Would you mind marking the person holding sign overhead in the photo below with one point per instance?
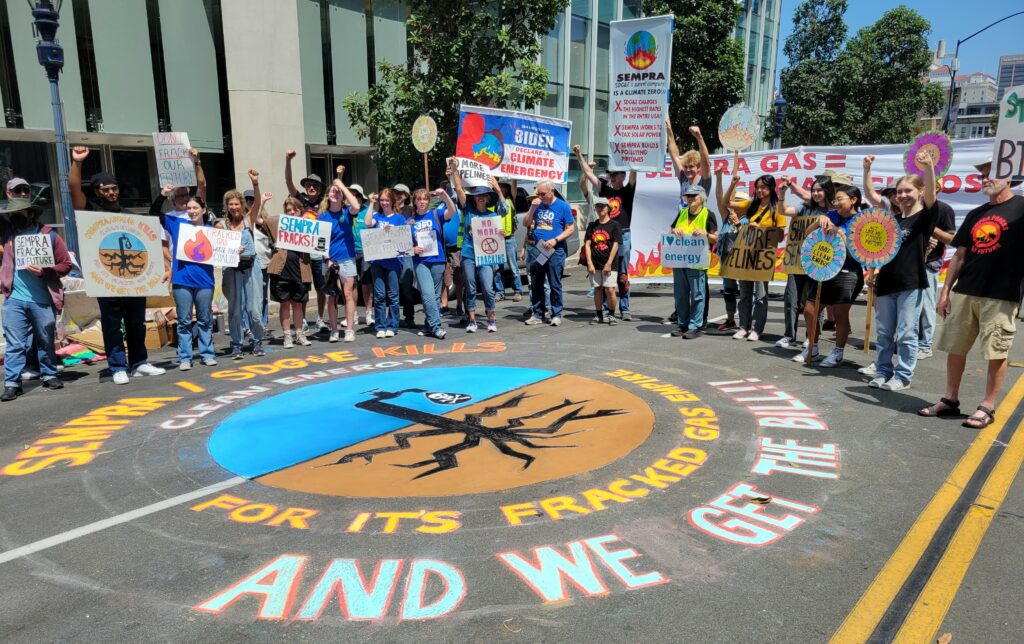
(900, 285)
(840, 291)
(386, 309)
(484, 203)
(601, 242)
(243, 284)
(688, 284)
(553, 224)
(192, 287)
(429, 258)
(34, 294)
(338, 213)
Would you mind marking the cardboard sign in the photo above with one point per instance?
(794, 242)
(472, 172)
(121, 255)
(208, 245)
(303, 235)
(174, 164)
(488, 241)
(32, 250)
(738, 128)
(823, 254)
(685, 251)
(937, 145)
(424, 134)
(640, 62)
(1008, 148)
(516, 145)
(874, 238)
(752, 258)
(386, 243)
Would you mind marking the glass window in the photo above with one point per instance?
(124, 66)
(581, 8)
(350, 69)
(631, 9)
(752, 45)
(219, 169)
(606, 10)
(31, 162)
(132, 168)
(603, 45)
(552, 105)
(579, 114)
(311, 70)
(388, 32)
(554, 57)
(579, 52)
(600, 124)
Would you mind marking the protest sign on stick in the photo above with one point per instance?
(488, 241)
(874, 240)
(738, 128)
(822, 256)
(32, 250)
(424, 136)
(937, 145)
(174, 165)
(121, 255)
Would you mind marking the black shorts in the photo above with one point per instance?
(282, 291)
(363, 273)
(319, 268)
(841, 289)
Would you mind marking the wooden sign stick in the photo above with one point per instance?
(867, 324)
(426, 173)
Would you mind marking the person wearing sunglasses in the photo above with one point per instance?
(18, 188)
(553, 223)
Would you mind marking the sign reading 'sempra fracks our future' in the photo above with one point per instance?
(641, 62)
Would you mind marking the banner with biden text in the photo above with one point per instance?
(515, 145)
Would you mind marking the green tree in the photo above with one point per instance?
(814, 110)
(707, 62)
(478, 52)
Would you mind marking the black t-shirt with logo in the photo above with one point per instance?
(994, 238)
(601, 238)
(945, 220)
(906, 271)
(620, 203)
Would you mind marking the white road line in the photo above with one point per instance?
(109, 522)
(720, 318)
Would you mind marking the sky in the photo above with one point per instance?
(951, 20)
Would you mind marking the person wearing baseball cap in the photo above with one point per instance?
(18, 188)
(601, 243)
(689, 285)
(33, 296)
(981, 295)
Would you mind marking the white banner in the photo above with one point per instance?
(121, 254)
(303, 235)
(488, 241)
(32, 250)
(174, 165)
(685, 251)
(208, 245)
(657, 194)
(386, 243)
(1008, 148)
(640, 62)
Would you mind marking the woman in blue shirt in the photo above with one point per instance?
(385, 272)
(427, 236)
(342, 253)
(484, 203)
(192, 286)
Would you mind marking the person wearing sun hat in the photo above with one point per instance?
(33, 296)
(981, 295)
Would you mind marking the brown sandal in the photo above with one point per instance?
(952, 408)
(975, 422)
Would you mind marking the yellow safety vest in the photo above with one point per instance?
(683, 221)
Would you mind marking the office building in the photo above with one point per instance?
(1011, 73)
(758, 29)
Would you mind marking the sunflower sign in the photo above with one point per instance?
(937, 145)
(514, 144)
(874, 238)
(823, 254)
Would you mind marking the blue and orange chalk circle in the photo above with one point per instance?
(432, 432)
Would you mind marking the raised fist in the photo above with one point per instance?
(289, 155)
(695, 131)
(254, 176)
(79, 153)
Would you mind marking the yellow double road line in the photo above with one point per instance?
(919, 621)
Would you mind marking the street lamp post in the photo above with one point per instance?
(780, 120)
(954, 65)
(51, 57)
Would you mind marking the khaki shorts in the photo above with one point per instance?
(971, 316)
(600, 279)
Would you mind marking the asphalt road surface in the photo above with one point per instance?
(574, 484)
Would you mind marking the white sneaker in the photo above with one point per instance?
(321, 325)
(877, 382)
(209, 362)
(300, 338)
(556, 321)
(381, 335)
(492, 326)
(869, 370)
(753, 336)
(288, 342)
(471, 327)
(369, 318)
(120, 377)
(785, 343)
(334, 337)
(389, 334)
(344, 322)
(185, 366)
(834, 359)
(802, 356)
(350, 336)
(533, 321)
(924, 354)
(146, 369)
(28, 374)
(895, 384)
(806, 342)
(739, 335)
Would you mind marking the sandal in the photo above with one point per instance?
(974, 422)
(951, 408)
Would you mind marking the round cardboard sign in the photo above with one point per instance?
(738, 128)
(937, 145)
(823, 254)
(874, 238)
(424, 134)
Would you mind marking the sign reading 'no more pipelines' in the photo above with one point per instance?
(640, 61)
(752, 257)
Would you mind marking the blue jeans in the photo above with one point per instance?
(688, 289)
(185, 298)
(132, 310)
(430, 278)
(796, 286)
(482, 276)
(625, 250)
(512, 256)
(385, 297)
(531, 255)
(242, 290)
(27, 324)
(896, 318)
(753, 306)
(926, 330)
(552, 272)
